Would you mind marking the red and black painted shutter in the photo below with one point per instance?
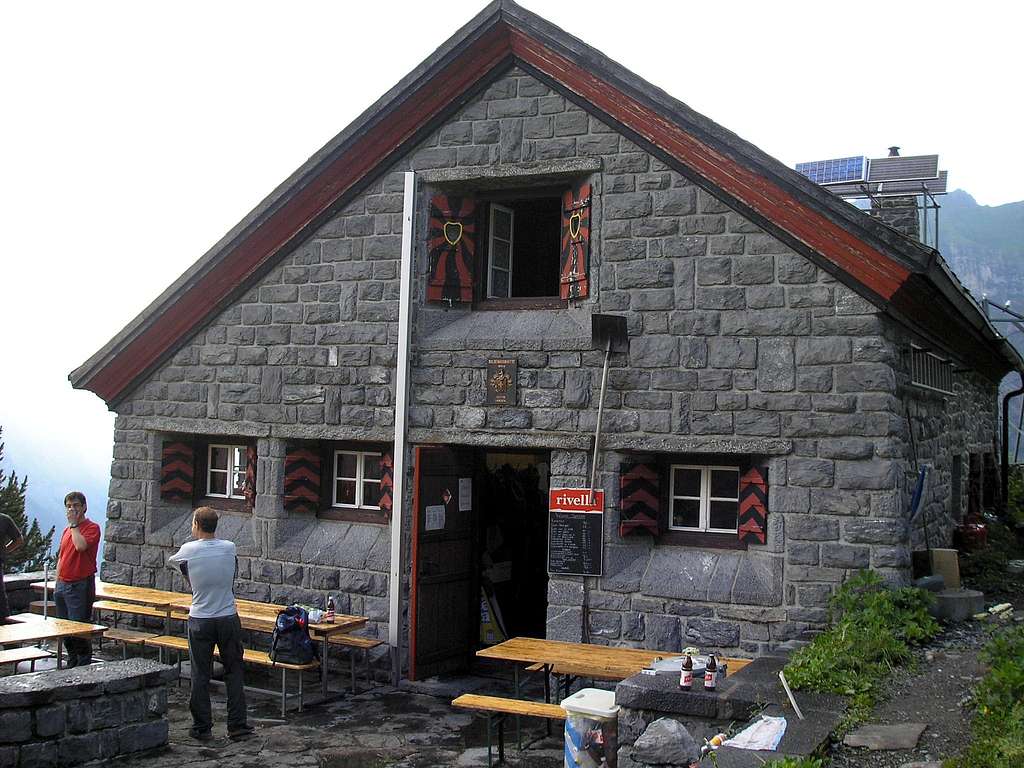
(573, 282)
(753, 514)
(250, 477)
(640, 486)
(387, 482)
(301, 480)
(451, 248)
(177, 471)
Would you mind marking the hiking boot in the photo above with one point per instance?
(244, 731)
(201, 735)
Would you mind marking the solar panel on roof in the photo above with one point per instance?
(840, 170)
(910, 168)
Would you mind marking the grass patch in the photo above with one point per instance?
(873, 629)
(997, 729)
(795, 762)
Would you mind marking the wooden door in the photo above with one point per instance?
(445, 604)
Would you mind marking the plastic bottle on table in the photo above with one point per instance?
(329, 616)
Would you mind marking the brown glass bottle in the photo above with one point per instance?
(686, 674)
(711, 673)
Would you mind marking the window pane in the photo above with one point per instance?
(371, 466)
(239, 489)
(502, 224)
(371, 494)
(347, 465)
(685, 513)
(687, 482)
(500, 255)
(218, 483)
(218, 457)
(499, 283)
(239, 457)
(725, 483)
(723, 514)
(345, 492)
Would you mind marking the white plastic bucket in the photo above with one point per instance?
(591, 729)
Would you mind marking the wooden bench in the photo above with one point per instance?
(497, 709)
(128, 637)
(20, 618)
(355, 643)
(249, 656)
(17, 655)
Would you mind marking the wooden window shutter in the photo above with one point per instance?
(451, 249)
(301, 480)
(753, 513)
(250, 477)
(387, 482)
(573, 282)
(177, 471)
(640, 506)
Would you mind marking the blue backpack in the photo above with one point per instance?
(291, 643)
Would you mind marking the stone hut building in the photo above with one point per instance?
(321, 374)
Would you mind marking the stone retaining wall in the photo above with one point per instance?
(66, 717)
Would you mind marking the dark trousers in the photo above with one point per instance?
(5, 609)
(74, 601)
(203, 634)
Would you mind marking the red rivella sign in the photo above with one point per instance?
(575, 500)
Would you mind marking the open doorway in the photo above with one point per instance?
(512, 546)
(479, 553)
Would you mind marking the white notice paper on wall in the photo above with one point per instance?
(435, 517)
(465, 494)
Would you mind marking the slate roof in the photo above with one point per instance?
(909, 281)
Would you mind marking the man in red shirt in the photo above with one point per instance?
(76, 574)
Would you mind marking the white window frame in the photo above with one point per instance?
(705, 498)
(360, 479)
(231, 470)
(491, 240)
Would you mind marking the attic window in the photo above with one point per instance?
(929, 371)
(522, 248)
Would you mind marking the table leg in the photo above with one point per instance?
(547, 695)
(323, 665)
(519, 719)
(60, 648)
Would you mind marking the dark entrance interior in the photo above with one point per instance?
(480, 561)
(512, 546)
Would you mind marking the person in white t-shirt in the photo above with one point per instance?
(209, 566)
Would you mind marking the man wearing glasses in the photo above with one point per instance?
(76, 574)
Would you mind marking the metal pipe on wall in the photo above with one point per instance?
(1005, 457)
(401, 408)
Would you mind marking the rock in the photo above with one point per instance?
(925, 764)
(877, 737)
(666, 741)
(957, 604)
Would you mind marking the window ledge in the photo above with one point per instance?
(702, 539)
(352, 515)
(222, 504)
(521, 303)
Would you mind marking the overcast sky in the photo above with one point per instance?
(135, 134)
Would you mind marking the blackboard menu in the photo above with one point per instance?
(575, 542)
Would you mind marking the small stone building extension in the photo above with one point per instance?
(758, 337)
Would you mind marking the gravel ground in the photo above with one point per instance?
(937, 692)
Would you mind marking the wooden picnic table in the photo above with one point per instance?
(258, 616)
(47, 629)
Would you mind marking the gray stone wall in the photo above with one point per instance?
(59, 717)
(737, 346)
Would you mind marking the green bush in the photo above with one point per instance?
(997, 729)
(986, 569)
(794, 762)
(872, 630)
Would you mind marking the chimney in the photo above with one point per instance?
(900, 213)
